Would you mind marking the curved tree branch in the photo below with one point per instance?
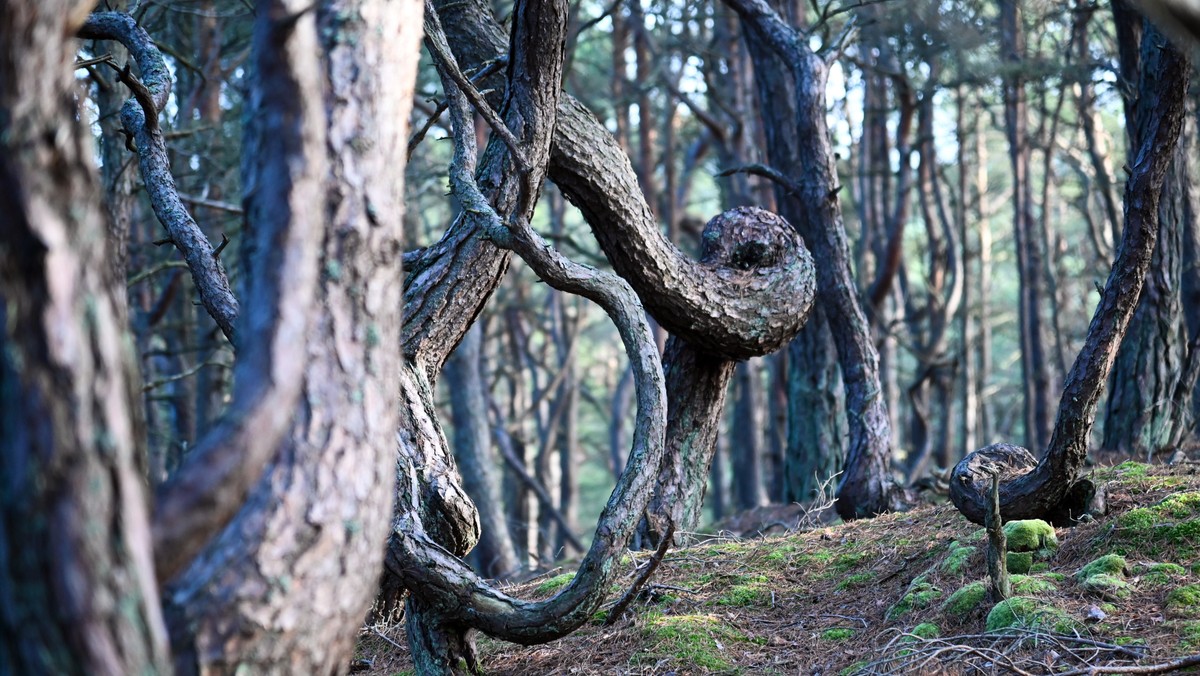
(733, 320)
(141, 122)
(441, 580)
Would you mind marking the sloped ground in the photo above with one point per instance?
(894, 595)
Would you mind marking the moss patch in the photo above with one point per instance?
(1171, 525)
(1019, 562)
(1163, 573)
(1023, 611)
(1108, 586)
(1189, 635)
(1184, 601)
(555, 583)
(966, 599)
(1109, 564)
(837, 634)
(857, 580)
(693, 640)
(926, 630)
(1028, 585)
(920, 594)
(957, 557)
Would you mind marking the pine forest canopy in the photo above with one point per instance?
(564, 234)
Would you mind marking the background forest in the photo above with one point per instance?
(977, 156)
(978, 281)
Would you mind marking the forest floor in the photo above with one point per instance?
(902, 593)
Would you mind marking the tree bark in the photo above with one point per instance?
(286, 584)
(1141, 417)
(77, 587)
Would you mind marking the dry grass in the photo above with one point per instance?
(831, 599)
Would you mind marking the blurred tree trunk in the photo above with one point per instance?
(77, 588)
(746, 437)
(302, 557)
(815, 443)
(1035, 366)
(465, 381)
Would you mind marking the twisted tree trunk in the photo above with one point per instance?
(1051, 488)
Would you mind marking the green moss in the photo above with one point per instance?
(1028, 585)
(1108, 586)
(1131, 470)
(1030, 535)
(837, 634)
(926, 630)
(920, 594)
(1109, 564)
(555, 583)
(780, 553)
(1171, 525)
(693, 640)
(1184, 601)
(1163, 573)
(1022, 611)
(957, 557)
(857, 580)
(966, 599)
(1129, 640)
(853, 668)
(1189, 635)
(742, 595)
(1019, 562)
(1039, 567)
(845, 562)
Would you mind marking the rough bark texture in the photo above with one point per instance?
(77, 590)
(285, 586)
(1049, 488)
(1142, 417)
(791, 83)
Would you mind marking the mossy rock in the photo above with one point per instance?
(1023, 611)
(1019, 562)
(555, 583)
(1108, 586)
(1109, 564)
(837, 634)
(692, 640)
(1030, 535)
(920, 594)
(1184, 601)
(1028, 585)
(957, 556)
(1163, 573)
(966, 599)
